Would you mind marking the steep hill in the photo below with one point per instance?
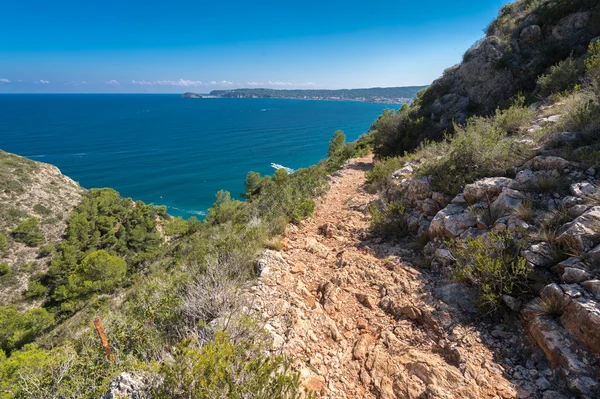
(37, 197)
(527, 39)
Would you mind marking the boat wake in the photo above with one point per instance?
(277, 166)
(188, 211)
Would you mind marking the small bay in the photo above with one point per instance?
(166, 150)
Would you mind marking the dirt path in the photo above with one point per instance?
(358, 326)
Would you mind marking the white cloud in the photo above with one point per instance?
(44, 81)
(76, 83)
(279, 83)
(255, 83)
(113, 82)
(4, 81)
(180, 82)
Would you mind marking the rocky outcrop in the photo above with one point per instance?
(31, 189)
(501, 65)
(128, 386)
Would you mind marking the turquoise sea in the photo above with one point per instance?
(166, 150)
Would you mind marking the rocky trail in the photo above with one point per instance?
(360, 321)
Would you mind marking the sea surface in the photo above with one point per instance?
(166, 150)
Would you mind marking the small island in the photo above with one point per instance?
(191, 95)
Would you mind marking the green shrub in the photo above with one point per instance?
(4, 269)
(105, 221)
(582, 114)
(176, 227)
(99, 272)
(222, 370)
(561, 77)
(18, 329)
(35, 289)
(378, 177)
(284, 195)
(41, 210)
(389, 219)
(395, 133)
(492, 264)
(46, 250)
(592, 64)
(478, 149)
(339, 151)
(28, 233)
(3, 244)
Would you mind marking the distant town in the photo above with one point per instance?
(389, 95)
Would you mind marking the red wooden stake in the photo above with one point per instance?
(103, 339)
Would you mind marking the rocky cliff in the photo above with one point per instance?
(526, 39)
(29, 191)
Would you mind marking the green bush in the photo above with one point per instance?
(35, 289)
(478, 149)
(288, 196)
(389, 219)
(99, 272)
(561, 77)
(18, 329)
(378, 177)
(222, 370)
(46, 250)
(104, 221)
(4, 269)
(3, 244)
(41, 210)
(394, 133)
(492, 264)
(592, 64)
(28, 233)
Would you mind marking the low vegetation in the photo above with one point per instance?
(493, 266)
(28, 233)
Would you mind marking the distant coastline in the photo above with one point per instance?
(388, 95)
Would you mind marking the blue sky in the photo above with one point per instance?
(180, 45)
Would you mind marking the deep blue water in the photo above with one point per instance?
(166, 150)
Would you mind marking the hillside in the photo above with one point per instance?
(38, 193)
(521, 45)
(396, 95)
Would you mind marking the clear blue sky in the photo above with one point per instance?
(180, 45)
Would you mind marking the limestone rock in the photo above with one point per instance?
(539, 254)
(508, 200)
(418, 189)
(485, 188)
(128, 386)
(531, 34)
(315, 247)
(573, 275)
(451, 221)
(582, 231)
(430, 207)
(593, 287)
(367, 301)
(583, 189)
(582, 319)
(512, 303)
(569, 25)
(405, 172)
(546, 163)
(327, 230)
